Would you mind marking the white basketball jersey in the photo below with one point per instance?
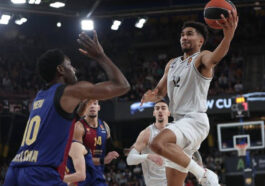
(187, 88)
(154, 175)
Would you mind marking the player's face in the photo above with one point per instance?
(190, 40)
(70, 77)
(92, 109)
(161, 112)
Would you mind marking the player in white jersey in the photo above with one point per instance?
(186, 80)
(152, 164)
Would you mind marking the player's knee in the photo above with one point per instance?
(156, 146)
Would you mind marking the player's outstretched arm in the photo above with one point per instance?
(77, 152)
(117, 84)
(161, 89)
(229, 25)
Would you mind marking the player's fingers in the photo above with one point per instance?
(86, 37)
(219, 23)
(83, 51)
(85, 40)
(95, 37)
(230, 18)
(142, 101)
(234, 15)
(82, 43)
(155, 91)
(224, 21)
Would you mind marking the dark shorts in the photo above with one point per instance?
(33, 176)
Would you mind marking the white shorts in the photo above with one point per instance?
(190, 130)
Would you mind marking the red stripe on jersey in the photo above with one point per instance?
(62, 166)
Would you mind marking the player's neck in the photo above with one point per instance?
(93, 122)
(160, 126)
(188, 54)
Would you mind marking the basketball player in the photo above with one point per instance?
(186, 80)
(152, 164)
(45, 146)
(95, 135)
(80, 167)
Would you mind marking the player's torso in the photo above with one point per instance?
(187, 88)
(153, 174)
(47, 135)
(95, 138)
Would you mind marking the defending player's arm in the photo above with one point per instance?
(109, 147)
(161, 89)
(116, 86)
(134, 156)
(77, 152)
(210, 59)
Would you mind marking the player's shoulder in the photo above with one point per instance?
(204, 52)
(169, 64)
(146, 133)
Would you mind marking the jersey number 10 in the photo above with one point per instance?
(33, 124)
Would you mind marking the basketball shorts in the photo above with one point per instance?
(190, 130)
(33, 176)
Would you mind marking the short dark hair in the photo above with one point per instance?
(161, 101)
(48, 62)
(199, 27)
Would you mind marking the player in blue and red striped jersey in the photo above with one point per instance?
(95, 135)
(41, 159)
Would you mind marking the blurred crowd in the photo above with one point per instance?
(142, 56)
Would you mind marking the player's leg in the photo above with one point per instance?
(165, 144)
(170, 143)
(175, 177)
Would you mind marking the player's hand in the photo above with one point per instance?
(110, 156)
(229, 24)
(156, 159)
(150, 95)
(91, 47)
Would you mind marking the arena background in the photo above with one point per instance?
(142, 54)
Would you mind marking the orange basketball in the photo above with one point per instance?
(214, 9)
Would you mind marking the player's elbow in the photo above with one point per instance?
(81, 176)
(129, 160)
(125, 87)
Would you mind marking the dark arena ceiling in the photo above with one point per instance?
(113, 8)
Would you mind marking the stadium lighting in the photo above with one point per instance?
(18, 1)
(21, 21)
(57, 4)
(5, 19)
(115, 25)
(87, 24)
(59, 24)
(140, 23)
(36, 2)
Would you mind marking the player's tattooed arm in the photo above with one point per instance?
(197, 157)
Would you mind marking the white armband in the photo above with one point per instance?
(134, 157)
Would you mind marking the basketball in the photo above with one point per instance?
(213, 11)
